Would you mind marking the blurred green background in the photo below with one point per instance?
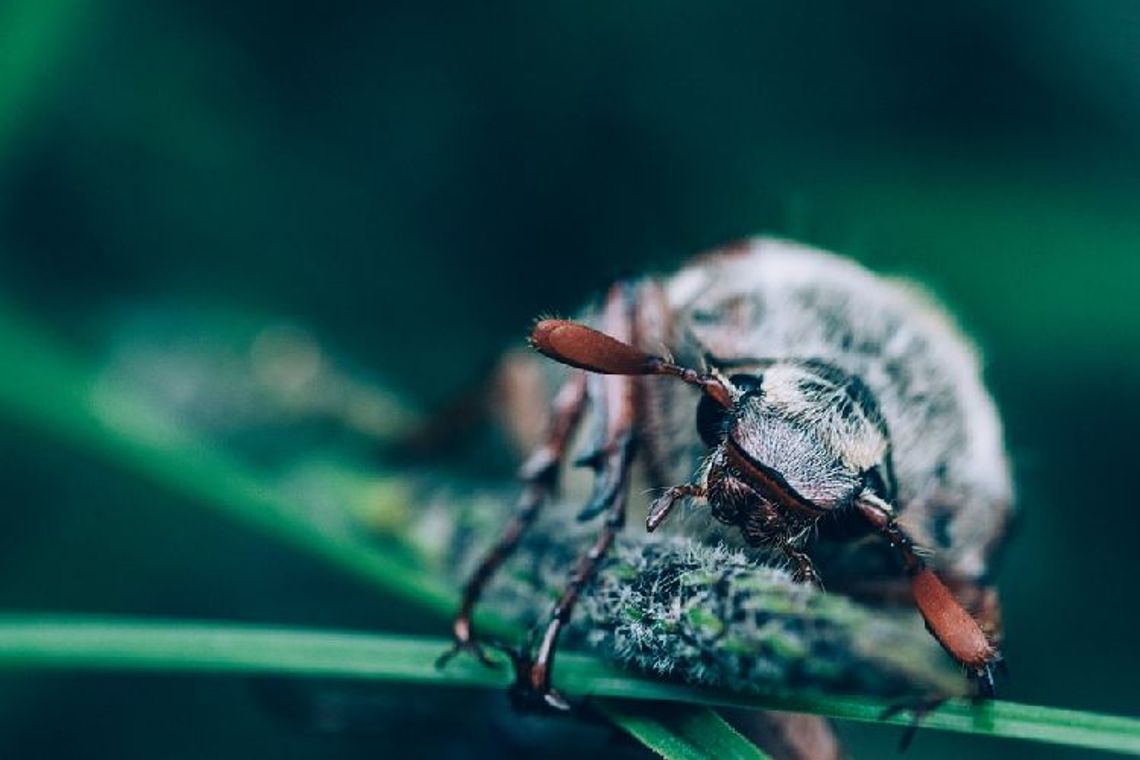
(416, 181)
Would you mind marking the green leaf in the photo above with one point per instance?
(680, 732)
(139, 645)
(46, 389)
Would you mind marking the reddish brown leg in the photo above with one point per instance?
(946, 618)
(983, 603)
(539, 475)
(981, 600)
(533, 682)
(665, 503)
(533, 685)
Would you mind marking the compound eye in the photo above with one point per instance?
(749, 385)
(711, 421)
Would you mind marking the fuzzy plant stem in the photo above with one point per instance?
(675, 607)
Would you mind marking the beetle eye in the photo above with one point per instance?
(712, 418)
(750, 385)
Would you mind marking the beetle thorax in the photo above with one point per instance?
(830, 406)
(801, 436)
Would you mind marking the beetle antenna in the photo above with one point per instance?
(583, 347)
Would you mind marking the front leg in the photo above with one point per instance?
(945, 617)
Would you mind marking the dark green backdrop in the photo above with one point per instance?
(417, 180)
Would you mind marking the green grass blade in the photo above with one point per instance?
(147, 646)
(45, 389)
(680, 732)
(110, 644)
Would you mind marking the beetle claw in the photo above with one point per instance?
(526, 695)
(982, 678)
(528, 699)
(472, 647)
(919, 708)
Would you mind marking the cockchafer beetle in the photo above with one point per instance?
(841, 423)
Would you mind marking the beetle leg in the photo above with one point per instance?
(664, 504)
(983, 602)
(539, 475)
(804, 569)
(985, 606)
(945, 617)
(533, 680)
(618, 396)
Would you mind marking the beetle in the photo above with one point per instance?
(820, 415)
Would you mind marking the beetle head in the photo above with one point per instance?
(804, 437)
